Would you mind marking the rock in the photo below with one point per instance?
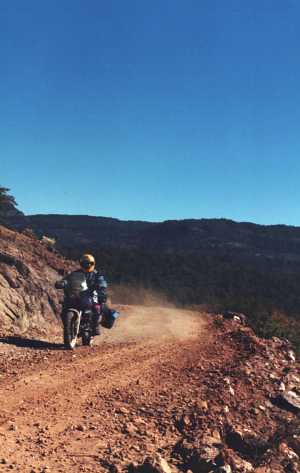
(186, 421)
(122, 410)
(158, 464)
(227, 382)
(291, 356)
(130, 428)
(163, 465)
(237, 317)
(242, 466)
(277, 340)
(203, 405)
(199, 457)
(262, 408)
(216, 435)
(211, 439)
(27, 276)
(246, 442)
(282, 387)
(204, 459)
(81, 428)
(224, 469)
(294, 442)
(140, 421)
(295, 466)
(269, 404)
(291, 399)
(287, 452)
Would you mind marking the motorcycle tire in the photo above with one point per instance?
(70, 330)
(87, 339)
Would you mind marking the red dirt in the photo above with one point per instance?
(60, 409)
(154, 384)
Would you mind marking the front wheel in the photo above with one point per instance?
(70, 329)
(87, 339)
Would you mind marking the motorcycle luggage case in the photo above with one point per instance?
(109, 318)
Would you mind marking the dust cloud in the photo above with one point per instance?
(153, 325)
(138, 295)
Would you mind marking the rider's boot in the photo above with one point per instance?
(96, 329)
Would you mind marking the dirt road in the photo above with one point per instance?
(98, 408)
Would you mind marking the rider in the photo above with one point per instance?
(95, 294)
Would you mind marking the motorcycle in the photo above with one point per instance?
(78, 316)
(78, 324)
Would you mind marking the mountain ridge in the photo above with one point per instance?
(221, 237)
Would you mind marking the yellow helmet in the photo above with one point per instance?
(87, 262)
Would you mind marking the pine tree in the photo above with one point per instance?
(5, 198)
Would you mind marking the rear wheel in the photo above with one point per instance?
(70, 330)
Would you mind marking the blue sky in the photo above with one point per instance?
(152, 110)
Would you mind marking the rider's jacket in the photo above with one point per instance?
(96, 284)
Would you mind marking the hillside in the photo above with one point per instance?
(276, 245)
(28, 271)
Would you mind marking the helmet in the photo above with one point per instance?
(87, 262)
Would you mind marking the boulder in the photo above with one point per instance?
(246, 442)
(288, 400)
(158, 464)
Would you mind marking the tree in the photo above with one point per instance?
(5, 198)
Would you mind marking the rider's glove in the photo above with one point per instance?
(62, 284)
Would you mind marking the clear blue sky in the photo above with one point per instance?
(153, 110)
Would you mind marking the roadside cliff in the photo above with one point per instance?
(28, 270)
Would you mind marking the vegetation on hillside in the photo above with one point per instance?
(6, 198)
(271, 299)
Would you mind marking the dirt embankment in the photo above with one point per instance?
(166, 390)
(28, 271)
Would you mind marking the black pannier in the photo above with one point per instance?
(109, 317)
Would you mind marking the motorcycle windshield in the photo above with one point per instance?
(76, 284)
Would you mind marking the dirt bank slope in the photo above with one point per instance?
(28, 271)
